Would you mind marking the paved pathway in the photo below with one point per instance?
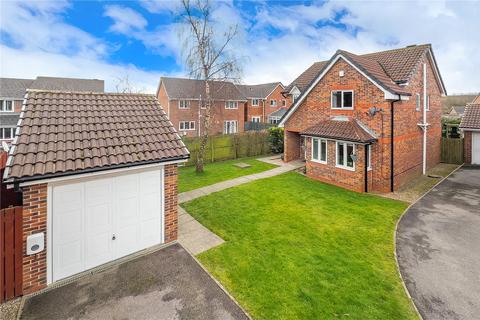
(438, 248)
(193, 235)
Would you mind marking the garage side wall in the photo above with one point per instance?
(170, 194)
(467, 147)
(34, 221)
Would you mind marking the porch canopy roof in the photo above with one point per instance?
(347, 130)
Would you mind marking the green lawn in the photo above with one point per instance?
(300, 249)
(217, 172)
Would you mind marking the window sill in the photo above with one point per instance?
(350, 109)
(345, 168)
(319, 161)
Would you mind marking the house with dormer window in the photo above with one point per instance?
(367, 122)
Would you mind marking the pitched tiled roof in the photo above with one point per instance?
(476, 100)
(391, 66)
(348, 130)
(303, 80)
(8, 119)
(67, 84)
(179, 88)
(279, 113)
(259, 91)
(64, 133)
(471, 117)
(14, 88)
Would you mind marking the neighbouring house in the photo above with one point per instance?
(12, 93)
(470, 126)
(456, 112)
(264, 101)
(98, 175)
(181, 98)
(367, 122)
(300, 84)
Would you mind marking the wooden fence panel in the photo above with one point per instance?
(11, 253)
(452, 151)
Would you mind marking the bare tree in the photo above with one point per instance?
(207, 56)
(123, 85)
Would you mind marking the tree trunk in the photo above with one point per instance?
(206, 127)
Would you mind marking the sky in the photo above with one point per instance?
(277, 40)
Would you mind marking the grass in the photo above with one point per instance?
(300, 249)
(217, 172)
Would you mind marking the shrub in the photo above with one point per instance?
(275, 137)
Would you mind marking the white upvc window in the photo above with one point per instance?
(256, 119)
(344, 159)
(186, 125)
(6, 106)
(319, 150)
(183, 104)
(342, 99)
(255, 102)
(284, 103)
(428, 103)
(230, 126)
(369, 156)
(7, 133)
(231, 105)
(273, 120)
(295, 97)
(273, 103)
(418, 102)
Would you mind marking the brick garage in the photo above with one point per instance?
(93, 209)
(373, 80)
(470, 126)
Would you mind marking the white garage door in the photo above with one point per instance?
(100, 220)
(475, 147)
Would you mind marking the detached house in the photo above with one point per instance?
(367, 122)
(181, 98)
(265, 102)
(98, 177)
(12, 93)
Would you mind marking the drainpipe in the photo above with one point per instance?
(424, 124)
(366, 168)
(392, 162)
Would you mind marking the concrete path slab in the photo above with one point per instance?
(438, 248)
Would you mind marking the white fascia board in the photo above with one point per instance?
(388, 95)
(436, 71)
(97, 173)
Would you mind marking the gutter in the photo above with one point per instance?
(16, 182)
(392, 145)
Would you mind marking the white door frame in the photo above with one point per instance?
(475, 140)
(107, 174)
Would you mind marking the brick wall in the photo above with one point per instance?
(408, 136)
(264, 109)
(467, 147)
(34, 221)
(170, 193)
(292, 146)
(219, 114)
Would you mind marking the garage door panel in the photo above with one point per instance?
(475, 147)
(100, 220)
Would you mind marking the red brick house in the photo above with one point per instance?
(367, 122)
(264, 102)
(98, 176)
(180, 98)
(470, 126)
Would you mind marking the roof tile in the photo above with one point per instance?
(471, 117)
(348, 130)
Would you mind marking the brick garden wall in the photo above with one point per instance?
(34, 221)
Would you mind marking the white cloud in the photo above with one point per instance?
(161, 6)
(124, 19)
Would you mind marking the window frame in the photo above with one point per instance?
(227, 104)
(259, 118)
(345, 147)
(225, 126)
(190, 122)
(273, 120)
(2, 133)
(428, 103)
(342, 99)
(187, 102)
(3, 103)
(369, 156)
(284, 102)
(418, 102)
(274, 103)
(319, 151)
(255, 104)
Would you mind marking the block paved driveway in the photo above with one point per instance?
(438, 248)
(165, 284)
